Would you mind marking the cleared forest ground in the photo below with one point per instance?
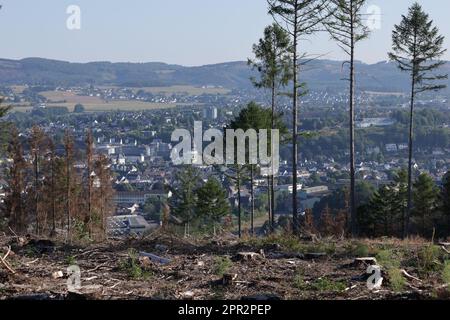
(165, 267)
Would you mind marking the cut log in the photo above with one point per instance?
(228, 279)
(155, 258)
(285, 255)
(57, 275)
(315, 256)
(162, 248)
(365, 262)
(249, 256)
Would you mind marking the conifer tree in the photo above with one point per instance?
(273, 63)
(417, 47)
(212, 203)
(299, 18)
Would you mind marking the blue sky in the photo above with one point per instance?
(188, 32)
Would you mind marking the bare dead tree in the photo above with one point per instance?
(105, 193)
(37, 150)
(16, 184)
(89, 178)
(346, 26)
(69, 158)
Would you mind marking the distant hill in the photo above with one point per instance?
(319, 74)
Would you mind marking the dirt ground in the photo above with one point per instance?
(165, 267)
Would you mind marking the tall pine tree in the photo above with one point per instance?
(417, 47)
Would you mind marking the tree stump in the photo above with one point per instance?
(249, 256)
(228, 279)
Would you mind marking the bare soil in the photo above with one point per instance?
(216, 269)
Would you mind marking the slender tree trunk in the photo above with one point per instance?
(239, 202)
(53, 232)
(296, 227)
(354, 227)
(252, 194)
(269, 197)
(411, 145)
(272, 176)
(68, 195)
(36, 187)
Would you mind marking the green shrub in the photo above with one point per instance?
(299, 281)
(359, 250)
(328, 248)
(446, 273)
(70, 260)
(388, 259)
(133, 268)
(221, 266)
(396, 279)
(327, 285)
(428, 259)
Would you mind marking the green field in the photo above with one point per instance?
(190, 90)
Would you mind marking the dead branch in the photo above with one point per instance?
(7, 254)
(98, 267)
(3, 261)
(406, 274)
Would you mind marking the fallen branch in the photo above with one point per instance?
(7, 254)
(98, 267)
(12, 231)
(114, 286)
(445, 249)
(406, 274)
(155, 258)
(3, 261)
(31, 262)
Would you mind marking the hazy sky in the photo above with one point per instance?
(188, 32)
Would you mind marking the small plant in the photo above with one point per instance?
(396, 279)
(388, 259)
(221, 266)
(31, 252)
(71, 260)
(360, 250)
(328, 248)
(428, 259)
(327, 285)
(81, 231)
(446, 273)
(299, 281)
(133, 268)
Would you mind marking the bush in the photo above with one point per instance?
(221, 266)
(71, 260)
(133, 268)
(396, 279)
(446, 273)
(299, 281)
(327, 285)
(388, 259)
(428, 259)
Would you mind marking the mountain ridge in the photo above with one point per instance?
(319, 74)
